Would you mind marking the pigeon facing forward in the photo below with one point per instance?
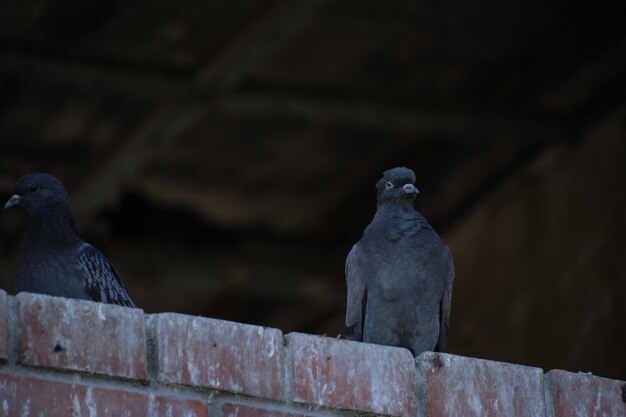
(399, 275)
(54, 260)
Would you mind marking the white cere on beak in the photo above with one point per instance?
(410, 189)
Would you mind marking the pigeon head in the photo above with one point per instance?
(40, 194)
(397, 185)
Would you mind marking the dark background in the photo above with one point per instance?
(223, 154)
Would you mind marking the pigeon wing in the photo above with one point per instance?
(357, 296)
(101, 279)
(444, 313)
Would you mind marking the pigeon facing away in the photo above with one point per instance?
(54, 260)
(399, 275)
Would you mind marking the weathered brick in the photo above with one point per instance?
(101, 402)
(27, 396)
(4, 348)
(350, 375)
(22, 395)
(221, 355)
(235, 410)
(161, 406)
(582, 395)
(104, 402)
(459, 386)
(81, 335)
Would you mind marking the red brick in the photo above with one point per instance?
(3, 326)
(101, 402)
(459, 386)
(104, 402)
(234, 410)
(576, 395)
(22, 395)
(81, 335)
(27, 396)
(351, 375)
(173, 407)
(221, 355)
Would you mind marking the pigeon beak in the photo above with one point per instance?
(13, 201)
(410, 189)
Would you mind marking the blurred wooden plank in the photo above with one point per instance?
(266, 35)
(103, 184)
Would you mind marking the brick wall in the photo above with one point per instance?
(61, 357)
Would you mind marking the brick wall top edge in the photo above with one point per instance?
(426, 357)
(216, 322)
(579, 394)
(381, 349)
(581, 376)
(81, 335)
(34, 295)
(84, 336)
(338, 373)
(221, 355)
(456, 385)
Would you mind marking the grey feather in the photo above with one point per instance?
(101, 280)
(54, 260)
(399, 275)
(356, 296)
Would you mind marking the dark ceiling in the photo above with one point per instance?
(223, 154)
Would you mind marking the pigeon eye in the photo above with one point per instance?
(388, 185)
(33, 188)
